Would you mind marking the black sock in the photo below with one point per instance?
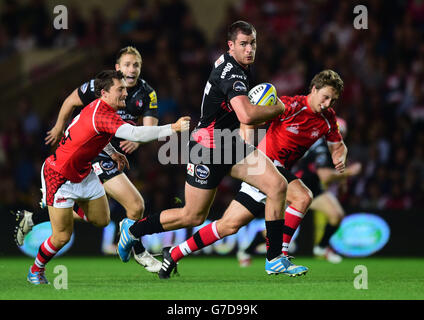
(139, 248)
(274, 237)
(328, 232)
(40, 216)
(149, 225)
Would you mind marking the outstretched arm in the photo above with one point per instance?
(130, 146)
(146, 134)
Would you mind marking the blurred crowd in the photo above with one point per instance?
(382, 67)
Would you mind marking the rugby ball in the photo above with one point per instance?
(263, 94)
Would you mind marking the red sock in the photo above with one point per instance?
(292, 219)
(202, 238)
(45, 253)
(81, 214)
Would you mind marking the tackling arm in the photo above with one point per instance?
(146, 134)
(130, 146)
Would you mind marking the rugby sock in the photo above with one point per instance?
(328, 232)
(202, 238)
(139, 248)
(45, 253)
(148, 225)
(292, 218)
(274, 230)
(266, 240)
(80, 212)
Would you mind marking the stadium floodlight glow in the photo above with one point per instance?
(361, 235)
(37, 236)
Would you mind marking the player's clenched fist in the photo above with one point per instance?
(182, 124)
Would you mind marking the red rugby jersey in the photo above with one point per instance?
(84, 138)
(292, 133)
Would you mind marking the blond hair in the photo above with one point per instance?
(128, 50)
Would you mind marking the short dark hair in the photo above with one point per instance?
(104, 80)
(327, 78)
(239, 26)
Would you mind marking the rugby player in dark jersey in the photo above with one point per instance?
(216, 149)
(141, 109)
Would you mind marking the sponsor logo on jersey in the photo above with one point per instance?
(293, 129)
(107, 165)
(97, 169)
(201, 181)
(84, 87)
(219, 61)
(227, 68)
(315, 133)
(190, 169)
(153, 100)
(61, 200)
(239, 86)
(202, 171)
(238, 76)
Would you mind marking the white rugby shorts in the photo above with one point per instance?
(88, 189)
(253, 192)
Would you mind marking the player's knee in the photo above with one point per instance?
(101, 222)
(306, 198)
(278, 189)
(301, 199)
(336, 217)
(139, 206)
(136, 209)
(229, 229)
(194, 219)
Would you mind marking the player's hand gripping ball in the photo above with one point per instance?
(263, 94)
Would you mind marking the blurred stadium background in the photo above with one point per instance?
(383, 101)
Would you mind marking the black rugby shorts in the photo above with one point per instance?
(207, 166)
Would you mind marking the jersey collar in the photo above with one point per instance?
(308, 106)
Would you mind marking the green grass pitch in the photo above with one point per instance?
(215, 278)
